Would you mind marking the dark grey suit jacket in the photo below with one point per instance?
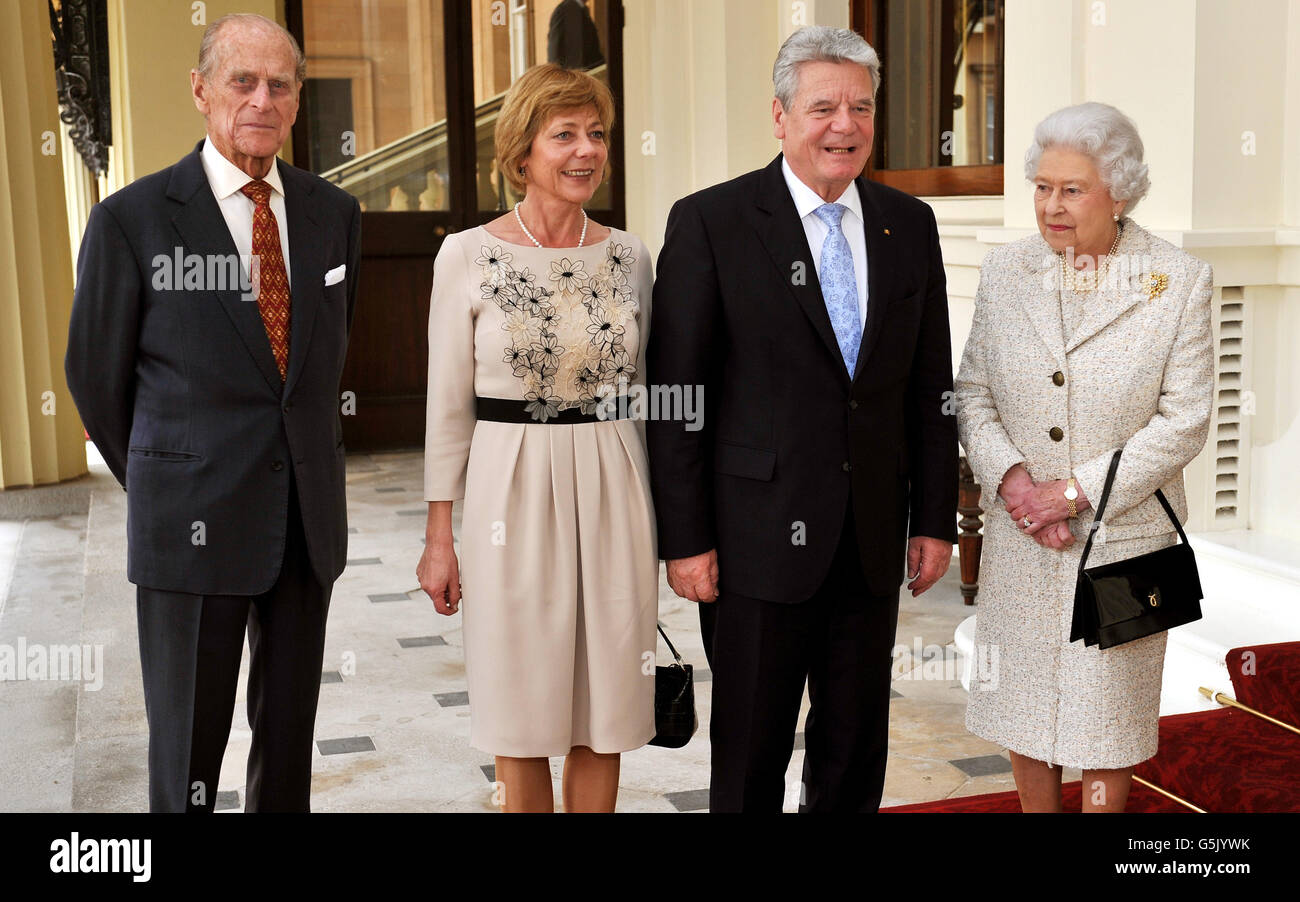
(179, 389)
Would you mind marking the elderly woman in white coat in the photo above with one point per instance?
(1090, 336)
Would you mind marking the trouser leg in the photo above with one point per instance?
(190, 649)
(759, 663)
(286, 637)
(846, 736)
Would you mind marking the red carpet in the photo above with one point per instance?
(1223, 760)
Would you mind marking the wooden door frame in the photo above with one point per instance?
(867, 18)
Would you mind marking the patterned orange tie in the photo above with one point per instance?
(273, 285)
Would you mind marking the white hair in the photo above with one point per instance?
(1104, 135)
(210, 46)
(823, 44)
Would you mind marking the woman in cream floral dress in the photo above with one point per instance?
(536, 318)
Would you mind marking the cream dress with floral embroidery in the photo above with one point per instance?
(559, 567)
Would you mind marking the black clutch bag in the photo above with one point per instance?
(1119, 602)
(675, 720)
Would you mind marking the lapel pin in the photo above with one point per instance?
(1155, 284)
(886, 231)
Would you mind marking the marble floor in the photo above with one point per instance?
(393, 722)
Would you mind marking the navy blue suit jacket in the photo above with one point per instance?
(790, 438)
(179, 390)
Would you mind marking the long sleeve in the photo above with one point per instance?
(643, 281)
(354, 261)
(102, 336)
(683, 352)
(1177, 431)
(450, 416)
(989, 448)
(931, 432)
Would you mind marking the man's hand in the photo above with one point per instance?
(695, 578)
(927, 561)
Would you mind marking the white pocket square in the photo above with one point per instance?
(335, 275)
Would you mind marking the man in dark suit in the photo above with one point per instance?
(572, 40)
(213, 306)
(809, 306)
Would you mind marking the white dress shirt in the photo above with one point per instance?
(226, 180)
(806, 200)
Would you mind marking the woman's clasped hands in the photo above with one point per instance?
(1039, 510)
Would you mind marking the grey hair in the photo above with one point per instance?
(824, 44)
(1107, 137)
(210, 55)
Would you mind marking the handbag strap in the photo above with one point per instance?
(1101, 510)
(666, 642)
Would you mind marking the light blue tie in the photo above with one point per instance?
(839, 287)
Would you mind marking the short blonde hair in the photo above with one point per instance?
(539, 94)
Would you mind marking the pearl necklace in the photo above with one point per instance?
(1095, 277)
(581, 238)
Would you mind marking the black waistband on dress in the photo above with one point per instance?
(507, 410)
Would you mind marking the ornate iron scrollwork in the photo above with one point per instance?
(79, 29)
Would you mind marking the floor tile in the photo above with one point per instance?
(982, 766)
(421, 641)
(690, 800)
(345, 746)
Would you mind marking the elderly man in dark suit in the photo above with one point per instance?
(809, 305)
(209, 328)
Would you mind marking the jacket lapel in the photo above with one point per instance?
(307, 276)
(1042, 302)
(1119, 290)
(880, 284)
(782, 234)
(203, 231)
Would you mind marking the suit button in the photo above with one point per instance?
(1056, 433)
(277, 465)
(853, 405)
(286, 407)
(846, 466)
(1058, 378)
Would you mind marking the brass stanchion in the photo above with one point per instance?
(1229, 702)
(1168, 795)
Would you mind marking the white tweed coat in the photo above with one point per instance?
(1137, 373)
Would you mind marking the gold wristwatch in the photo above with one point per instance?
(1071, 493)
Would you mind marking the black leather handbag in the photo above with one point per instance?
(675, 720)
(1126, 600)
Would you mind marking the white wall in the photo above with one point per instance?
(698, 78)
